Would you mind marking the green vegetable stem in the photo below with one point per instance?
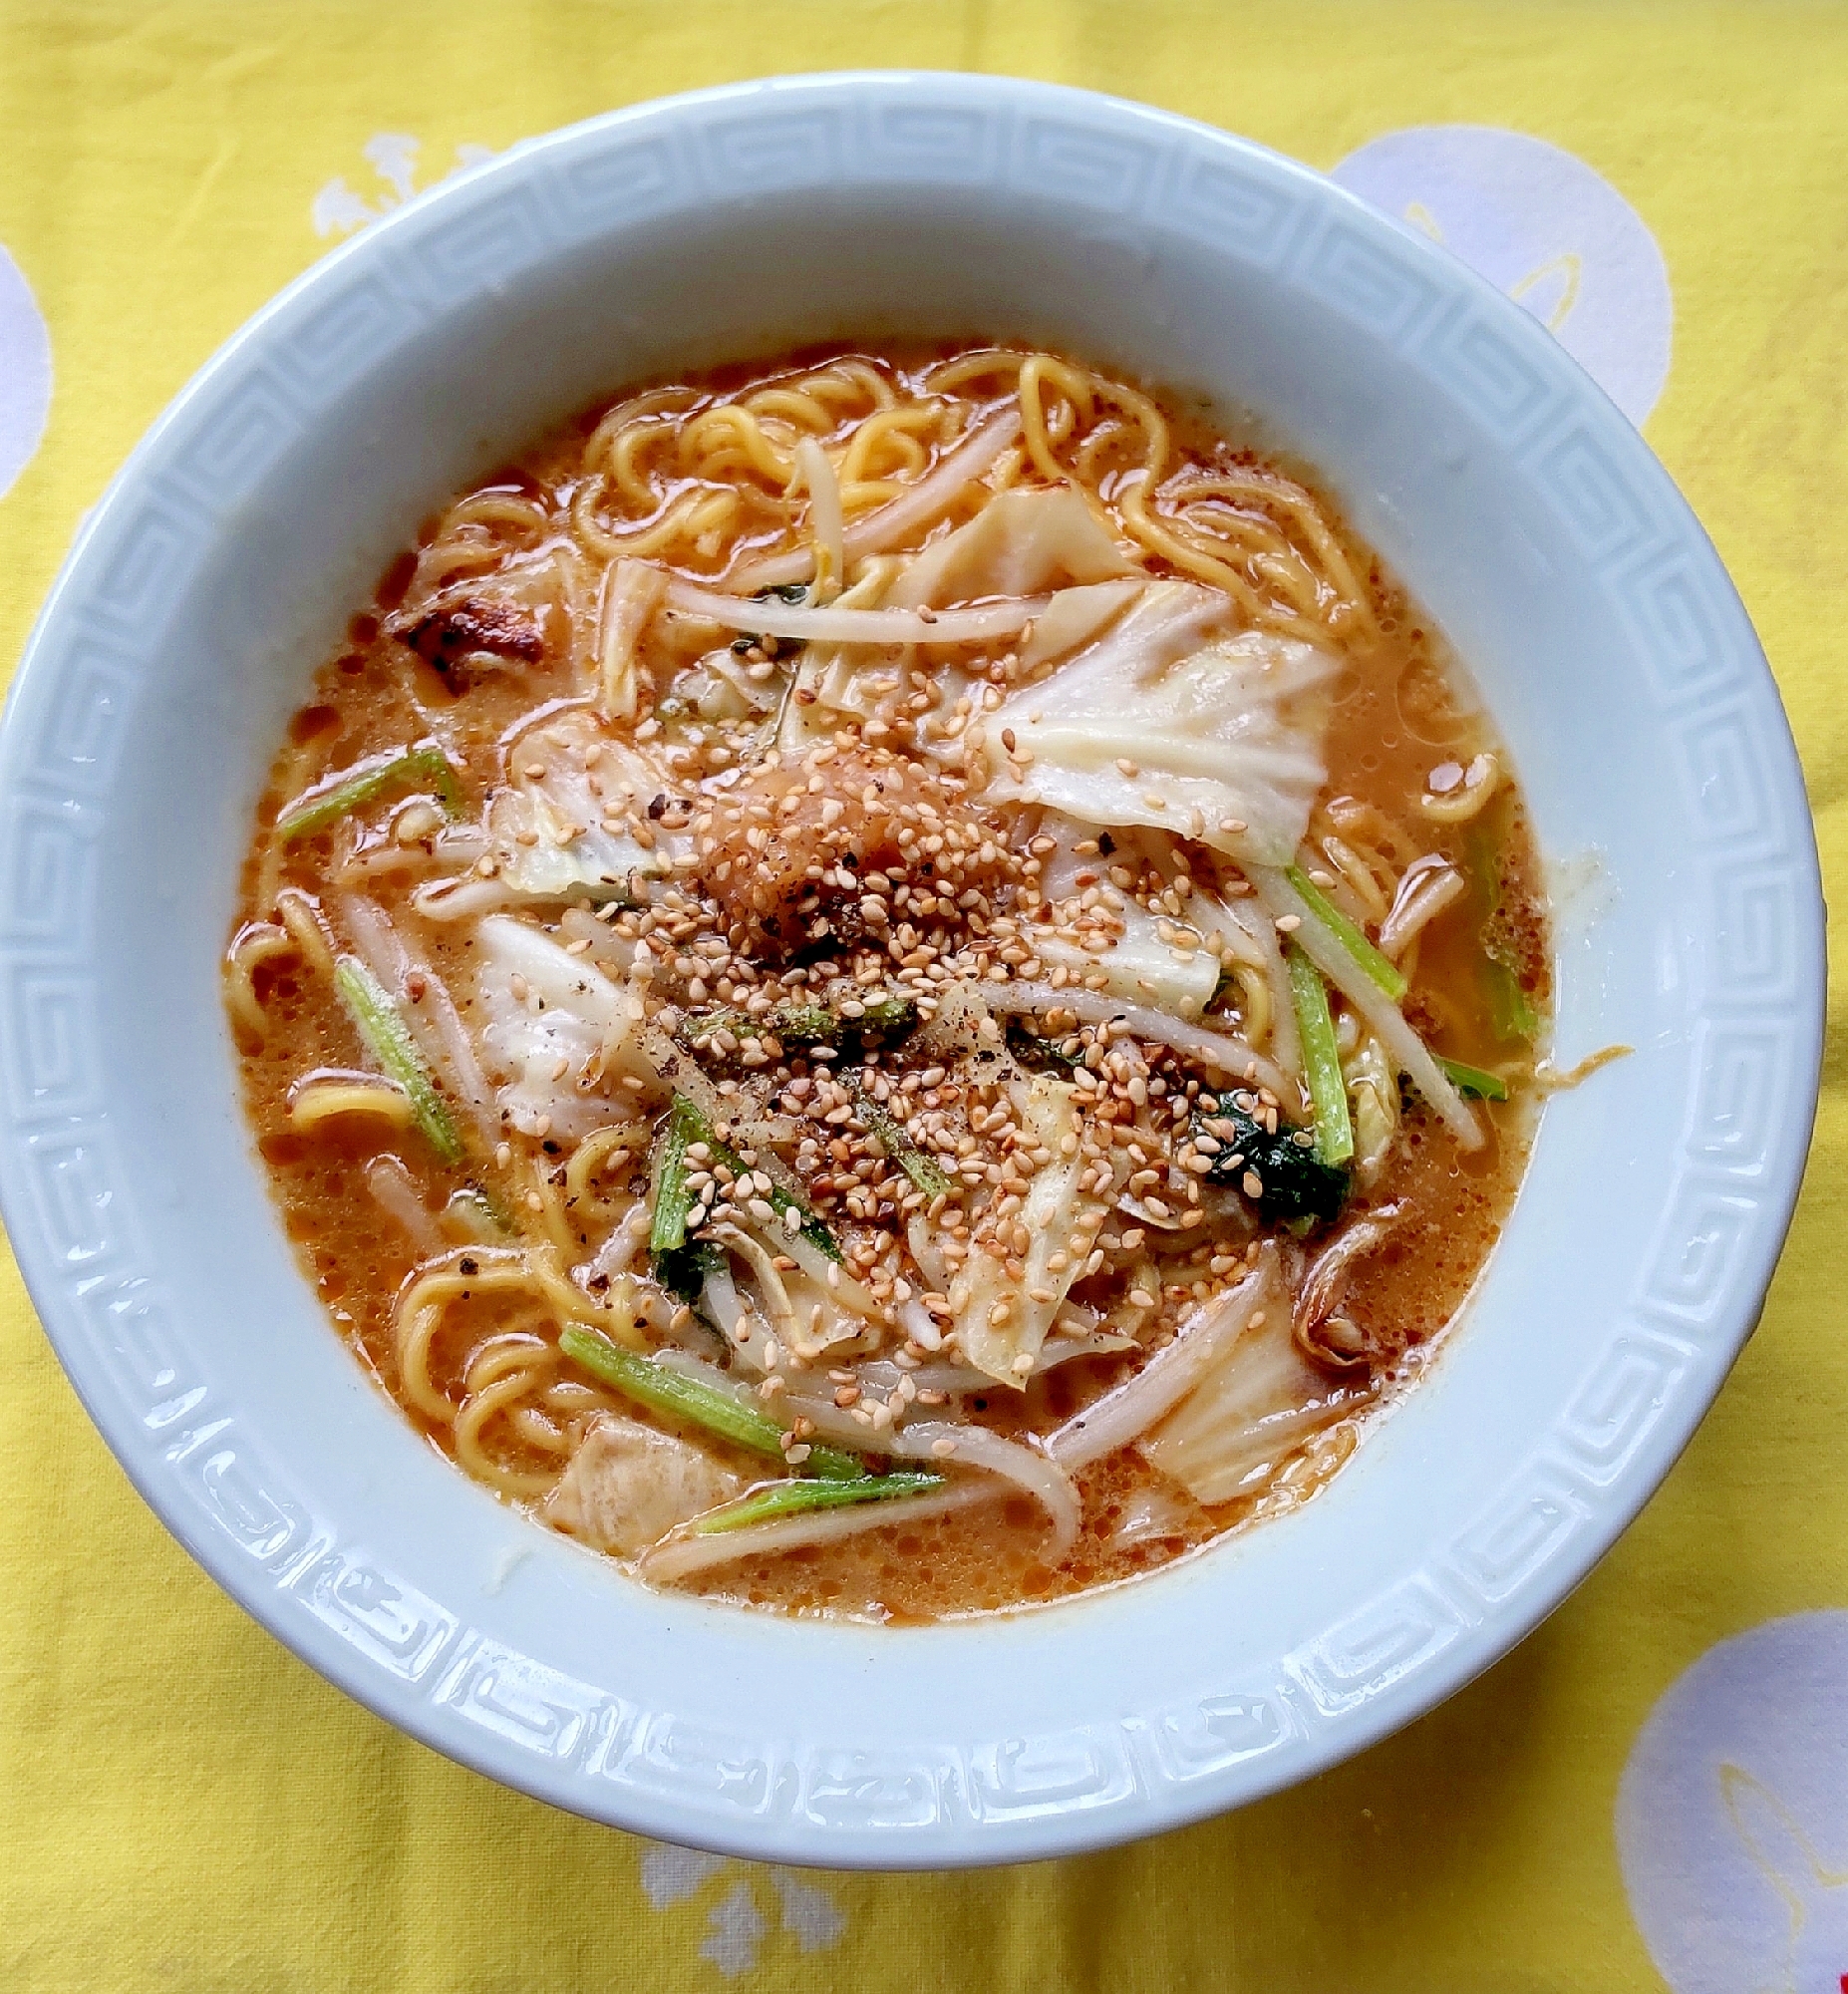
(425, 763)
(390, 1043)
(687, 1399)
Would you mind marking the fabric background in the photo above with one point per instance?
(184, 1806)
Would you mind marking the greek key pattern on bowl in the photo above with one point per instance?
(77, 1199)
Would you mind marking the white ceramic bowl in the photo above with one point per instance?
(1529, 519)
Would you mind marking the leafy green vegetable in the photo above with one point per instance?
(472, 1210)
(674, 1201)
(1512, 1016)
(1511, 1013)
(1473, 1082)
(390, 1043)
(1294, 1183)
(682, 1270)
(424, 764)
(923, 1171)
(791, 1498)
(1040, 1055)
(793, 592)
(1227, 986)
(1373, 965)
(885, 1020)
(1327, 1088)
(680, 1397)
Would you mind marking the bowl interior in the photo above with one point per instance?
(1529, 521)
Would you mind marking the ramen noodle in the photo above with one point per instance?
(891, 985)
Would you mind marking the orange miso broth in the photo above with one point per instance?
(891, 985)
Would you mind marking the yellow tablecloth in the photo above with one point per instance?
(184, 1806)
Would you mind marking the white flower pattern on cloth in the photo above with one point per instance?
(338, 210)
(736, 1924)
(25, 373)
(1731, 1817)
(1540, 224)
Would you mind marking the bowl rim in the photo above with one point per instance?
(1153, 1803)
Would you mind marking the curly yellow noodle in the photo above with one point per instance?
(1364, 870)
(714, 513)
(1006, 471)
(505, 1356)
(1254, 990)
(547, 1223)
(856, 498)
(321, 1101)
(1364, 825)
(1286, 495)
(1078, 408)
(502, 1396)
(567, 1399)
(714, 427)
(1132, 504)
(592, 1157)
(304, 922)
(890, 431)
(428, 1297)
(983, 365)
(1461, 804)
(1183, 551)
(445, 561)
(1247, 534)
(654, 403)
(256, 945)
(1154, 424)
(439, 1283)
(848, 380)
(1109, 435)
(536, 1427)
(650, 539)
(642, 435)
(1291, 580)
(1078, 385)
(792, 404)
(500, 512)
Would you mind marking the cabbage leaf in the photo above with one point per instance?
(1165, 721)
(547, 828)
(1051, 1214)
(1021, 542)
(562, 1008)
(1258, 1403)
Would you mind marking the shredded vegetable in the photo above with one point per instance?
(673, 1200)
(680, 1397)
(878, 1020)
(927, 1176)
(791, 1498)
(1390, 977)
(1473, 1082)
(425, 763)
(376, 1018)
(1512, 1016)
(1327, 1090)
(687, 1124)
